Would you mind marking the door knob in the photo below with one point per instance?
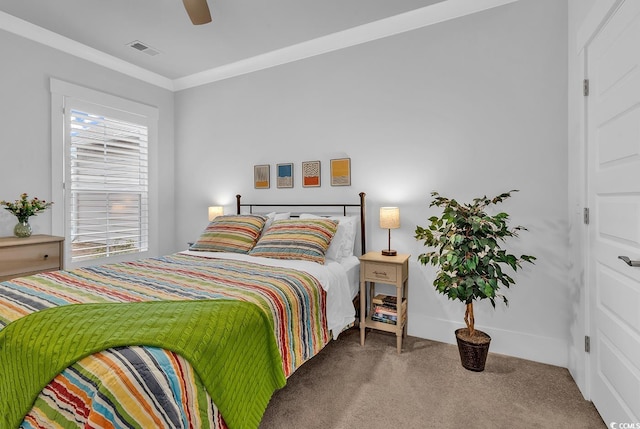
(629, 262)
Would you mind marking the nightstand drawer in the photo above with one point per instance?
(21, 260)
(380, 272)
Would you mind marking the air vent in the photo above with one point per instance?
(142, 47)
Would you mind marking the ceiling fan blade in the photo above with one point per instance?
(198, 11)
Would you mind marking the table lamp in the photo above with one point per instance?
(215, 211)
(389, 219)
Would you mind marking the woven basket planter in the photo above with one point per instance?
(473, 355)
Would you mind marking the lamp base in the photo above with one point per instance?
(389, 252)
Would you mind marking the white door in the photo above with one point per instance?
(613, 184)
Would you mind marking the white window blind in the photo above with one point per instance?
(107, 185)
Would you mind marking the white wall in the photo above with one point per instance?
(25, 126)
(469, 107)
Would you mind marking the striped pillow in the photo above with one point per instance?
(303, 239)
(231, 233)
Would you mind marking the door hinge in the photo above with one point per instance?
(585, 215)
(585, 87)
(587, 344)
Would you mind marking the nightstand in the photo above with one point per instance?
(392, 270)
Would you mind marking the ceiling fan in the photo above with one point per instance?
(198, 11)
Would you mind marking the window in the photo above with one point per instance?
(101, 175)
(108, 185)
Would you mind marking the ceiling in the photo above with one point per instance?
(240, 30)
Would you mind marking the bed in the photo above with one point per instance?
(200, 338)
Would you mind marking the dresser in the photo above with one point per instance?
(24, 256)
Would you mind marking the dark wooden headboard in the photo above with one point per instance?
(343, 207)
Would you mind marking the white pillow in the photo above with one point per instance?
(274, 216)
(343, 241)
(350, 224)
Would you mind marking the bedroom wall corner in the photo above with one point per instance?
(473, 106)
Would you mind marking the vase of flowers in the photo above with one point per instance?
(22, 229)
(23, 209)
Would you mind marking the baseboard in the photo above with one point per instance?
(552, 351)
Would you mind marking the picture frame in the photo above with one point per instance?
(341, 172)
(261, 176)
(284, 175)
(311, 174)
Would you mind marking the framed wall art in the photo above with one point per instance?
(311, 174)
(341, 172)
(284, 175)
(261, 176)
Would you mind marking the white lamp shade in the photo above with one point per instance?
(389, 217)
(215, 211)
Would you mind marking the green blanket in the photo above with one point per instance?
(229, 343)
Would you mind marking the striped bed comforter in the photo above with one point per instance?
(146, 387)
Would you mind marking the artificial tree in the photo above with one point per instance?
(468, 252)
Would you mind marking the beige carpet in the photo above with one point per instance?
(348, 386)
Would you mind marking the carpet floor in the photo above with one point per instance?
(347, 386)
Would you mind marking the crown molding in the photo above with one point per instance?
(54, 40)
(422, 17)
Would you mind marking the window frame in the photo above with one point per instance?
(65, 95)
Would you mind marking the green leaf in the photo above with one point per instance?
(488, 290)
